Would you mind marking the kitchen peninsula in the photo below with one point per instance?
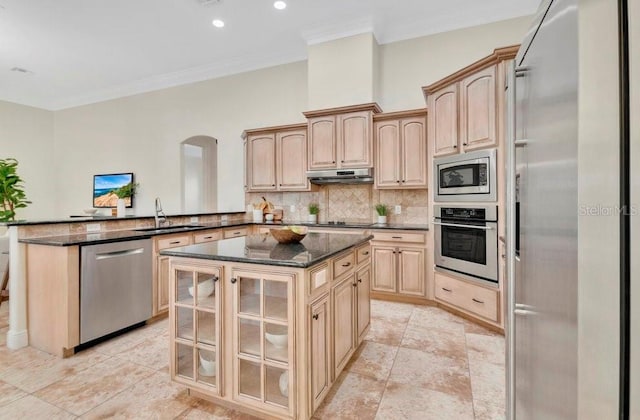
(266, 326)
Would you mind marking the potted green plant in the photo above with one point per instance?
(124, 192)
(382, 211)
(314, 209)
(12, 194)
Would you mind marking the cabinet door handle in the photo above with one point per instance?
(446, 290)
(477, 301)
(464, 144)
(315, 316)
(359, 280)
(233, 279)
(355, 284)
(396, 237)
(398, 181)
(455, 146)
(346, 265)
(215, 278)
(403, 181)
(365, 253)
(174, 242)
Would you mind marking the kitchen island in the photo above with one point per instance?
(267, 327)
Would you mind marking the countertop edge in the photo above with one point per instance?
(278, 263)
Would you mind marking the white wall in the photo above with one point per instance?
(26, 134)
(342, 72)
(408, 65)
(142, 134)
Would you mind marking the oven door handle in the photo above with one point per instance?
(463, 226)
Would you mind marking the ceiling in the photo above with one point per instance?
(77, 52)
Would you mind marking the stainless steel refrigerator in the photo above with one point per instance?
(570, 210)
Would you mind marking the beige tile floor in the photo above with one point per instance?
(416, 363)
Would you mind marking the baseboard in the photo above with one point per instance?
(17, 339)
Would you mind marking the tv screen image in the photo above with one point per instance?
(105, 187)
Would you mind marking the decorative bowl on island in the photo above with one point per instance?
(90, 211)
(205, 289)
(289, 234)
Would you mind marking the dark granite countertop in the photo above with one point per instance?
(350, 225)
(123, 235)
(101, 217)
(88, 238)
(263, 249)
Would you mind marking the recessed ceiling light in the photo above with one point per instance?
(217, 23)
(280, 5)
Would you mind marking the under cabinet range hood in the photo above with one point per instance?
(341, 176)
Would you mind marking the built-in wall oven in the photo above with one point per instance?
(466, 240)
(467, 176)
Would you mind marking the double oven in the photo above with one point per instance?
(466, 216)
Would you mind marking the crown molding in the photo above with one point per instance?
(237, 65)
(326, 33)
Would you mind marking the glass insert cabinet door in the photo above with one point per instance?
(195, 326)
(263, 339)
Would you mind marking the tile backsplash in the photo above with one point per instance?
(349, 202)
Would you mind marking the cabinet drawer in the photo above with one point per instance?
(467, 296)
(343, 264)
(173, 241)
(232, 233)
(399, 237)
(363, 254)
(318, 277)
(199, 238)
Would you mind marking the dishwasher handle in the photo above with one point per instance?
(116, 254)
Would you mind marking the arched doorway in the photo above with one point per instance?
(198, 156)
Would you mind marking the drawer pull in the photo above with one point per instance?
(396, 237)
(346, 265)
(174, 242)
(446, 290)
(359, 280)
(207, 237)
(236, 233)
(365, 253)
(315, 316)
(477, 301)
(233, 279)
(355, 284)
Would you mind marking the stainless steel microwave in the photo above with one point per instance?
(466, 177)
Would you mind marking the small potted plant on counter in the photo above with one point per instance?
(314, 209)
(125, 192)
(382, 211)
(12, 194)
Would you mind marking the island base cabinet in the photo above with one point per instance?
(343, 297)
(319, 350)
(262, 349)
(266, 339)
(195, 326)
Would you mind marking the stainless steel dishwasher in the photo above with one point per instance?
(115, 287)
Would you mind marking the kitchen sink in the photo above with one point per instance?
(169, 228)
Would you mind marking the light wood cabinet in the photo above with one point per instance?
(465, 107)
(160, 288)
(195, 325)
(278, 336)
(363, 297)
(341, 137)
(343, 300)
(320, 350)
(401, 150)
(467, 297)
(276, 158)
(462, 116)
(263, 353)
(399, 265)
(261, 155)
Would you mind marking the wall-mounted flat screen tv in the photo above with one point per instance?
(105, 189)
